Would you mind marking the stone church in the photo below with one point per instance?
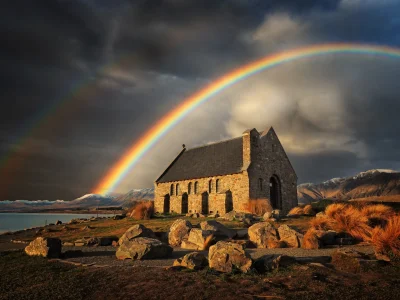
(224, 176)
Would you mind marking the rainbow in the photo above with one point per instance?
(159, 129)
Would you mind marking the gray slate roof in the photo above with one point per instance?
(221, 158)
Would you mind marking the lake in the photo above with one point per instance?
(19, 221)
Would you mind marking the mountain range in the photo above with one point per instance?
(377, 184)
(88, 201)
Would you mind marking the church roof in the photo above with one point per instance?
(220, 158)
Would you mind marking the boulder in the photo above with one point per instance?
(193, 261)
(327, 238)
(68, 244)
(242, 233)
(348, 260)
(219, 230)
(227, 257)
(263, 235)
(277, 214)
(267, 216)
(58, 222)
(143, 248)
(179, 231)
(291, 237)
(201, 238)
(46, 247)
(271, 262)
(189, 245)
(136, 231)
(80, 242)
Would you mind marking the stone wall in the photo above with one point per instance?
(269, 159)
(237, 184)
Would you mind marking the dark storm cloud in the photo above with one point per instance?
(157, 53)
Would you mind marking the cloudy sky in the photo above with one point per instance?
(81, 80)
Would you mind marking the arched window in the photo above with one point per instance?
(189, 188)
(260, 184)
(177, 189)
(217, 185)
(210, 186)
(171, 190)
(196, 187)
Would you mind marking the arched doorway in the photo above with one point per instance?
(275, 192)
(185, 203)
(228, 201)
(166, 204)
(204, 203)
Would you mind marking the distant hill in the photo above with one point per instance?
(85, 202)
(377, 183)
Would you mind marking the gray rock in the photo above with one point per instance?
(271, 262)
(290, 236)
(179, 231)
(263, 235)
(201, 238)
(226, 257)
(219, 230)
(193, 261)
(143, 248)
(136, 231)
(46, 247)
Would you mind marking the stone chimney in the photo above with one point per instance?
(250, 140)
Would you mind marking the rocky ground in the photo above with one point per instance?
(84, 272)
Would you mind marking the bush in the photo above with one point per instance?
(323, 223)
(334, 209)
(296, 211)
(143, 210)
(258, 206)
(386, 240)
(310, 240)
(308, 210)
(377, 214)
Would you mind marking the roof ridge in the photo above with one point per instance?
(211, 144)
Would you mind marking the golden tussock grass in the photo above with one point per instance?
(258, 206)
(334, 209)
(386, 239)
(377, 211)
(323, 223)
(296, 211)
(308, 210)
(310, 240)
(143, 210)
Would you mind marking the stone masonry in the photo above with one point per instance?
(219, 177)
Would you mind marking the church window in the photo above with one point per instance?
(196, 187)
(210, 186)
(177, 189)
(217, 186)
(172, 190)
(189, 188)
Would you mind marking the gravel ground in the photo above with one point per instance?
(105, 256)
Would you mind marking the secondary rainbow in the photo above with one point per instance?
(159, 129)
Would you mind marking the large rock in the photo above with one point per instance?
(227, 257)
(201, 238)
(143, 248)
(46, 247)
(263, 235)
(291, 237)
(271, 262)
(189, 245)
(267, 216)
(136, 231)
(348, 260)
(179, 231)
(218, 229)
(327, 238)
(237, 216)
(194, 261)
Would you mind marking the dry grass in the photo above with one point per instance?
(323, 223)
(308, 210)
(386, 240)
(143, 210)
(310, 240)
(296, 211)
(377, 214)
(258, 206)
(334, 209)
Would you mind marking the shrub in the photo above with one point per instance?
(143, 210)
(349, 219)
(258, 206)
(377, 214)
(386, 240)
(332, 210)
(323, 223)
(310, 240)
(308, 210)
(296, 211)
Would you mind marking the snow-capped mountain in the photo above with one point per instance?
(371, 183)
(84, 202)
